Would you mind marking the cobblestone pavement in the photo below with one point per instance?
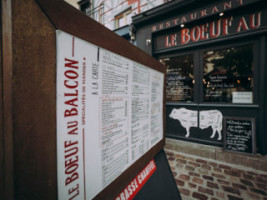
(205, 179)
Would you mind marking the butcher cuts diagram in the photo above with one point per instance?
(207, 118)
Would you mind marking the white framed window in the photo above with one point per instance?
(123, 19)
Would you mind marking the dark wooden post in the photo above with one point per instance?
(29, 99)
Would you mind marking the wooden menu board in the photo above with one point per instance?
(110, 106)
(60, 66)
(239, 135)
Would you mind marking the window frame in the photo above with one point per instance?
(123, 15)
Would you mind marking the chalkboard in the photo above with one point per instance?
(239, 135)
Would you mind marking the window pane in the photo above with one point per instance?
(121, 22)
(180, 78)
(228, 75)
(128, 18)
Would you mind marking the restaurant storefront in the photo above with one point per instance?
(216, 89)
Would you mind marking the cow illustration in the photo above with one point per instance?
(207, 118)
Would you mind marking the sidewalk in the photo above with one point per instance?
(207, 179)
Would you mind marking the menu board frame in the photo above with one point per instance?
(253, 136)
(64, 17)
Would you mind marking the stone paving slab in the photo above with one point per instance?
(206, 179)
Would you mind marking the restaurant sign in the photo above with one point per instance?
(200, 13)
(221, 27)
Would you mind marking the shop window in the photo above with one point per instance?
(123, 19)
(228, 75)
(180, 78)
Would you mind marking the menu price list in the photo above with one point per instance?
(114, 139)
(130, 109)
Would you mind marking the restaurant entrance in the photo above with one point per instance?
(215, 53)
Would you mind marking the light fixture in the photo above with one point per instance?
(182, 25)
(221, 14)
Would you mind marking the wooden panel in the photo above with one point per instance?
(7, 100)
(1, 115)
(34, 102)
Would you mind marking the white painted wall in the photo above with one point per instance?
(113, 8)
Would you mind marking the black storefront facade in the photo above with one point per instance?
(216, 88)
